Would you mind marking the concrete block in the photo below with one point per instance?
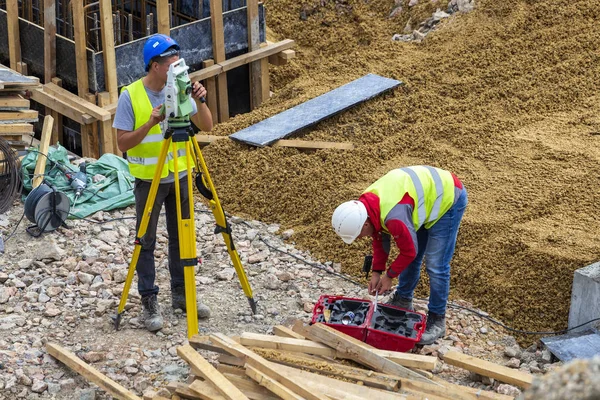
(585, 297)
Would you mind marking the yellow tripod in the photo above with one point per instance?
(182, 132)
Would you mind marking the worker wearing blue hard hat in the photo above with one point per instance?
(137, 120)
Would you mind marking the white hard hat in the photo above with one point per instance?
(348, 220)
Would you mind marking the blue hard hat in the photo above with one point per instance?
(158, 46)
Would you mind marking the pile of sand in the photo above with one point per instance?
(505, 97)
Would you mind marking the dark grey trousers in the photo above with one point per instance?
(145, 267)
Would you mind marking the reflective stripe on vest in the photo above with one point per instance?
(143, 157)
(432, 190)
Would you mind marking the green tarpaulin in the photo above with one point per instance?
(114, 191)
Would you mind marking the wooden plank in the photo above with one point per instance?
(231, 360)
(80, 103)
(204, 390)
(30, 115)
(284, 331)
(61, 107)
(478, 393)
(11, 129)
(40, 165)
(14, 38)
(307, 144)
(355, 350)
(57, 129)
(49, 40)
(22, 68)
(265, 79)
(266, 367)
(311, 347)
(271, 384)
(240, 60)
(163, 17)
(250, 388)
(255, 67)
(211, 92)
(89, 372)
(108, 134)
(83, 86)
(108, 49)
(218, 41)
(203, 342)
(14, 101)
(489, 369)
(201, 367)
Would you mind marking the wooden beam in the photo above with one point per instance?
(218, 41)
(14, 102)
(108, 49)
(357, 351)
(83, 86)
(307, 144)
(211, 92)
(489, 369)
(14, 38)
(265, 80)
(250, 388)
(108, 134)
(202, 368)
(49, 40)
(253, 45)
(89, 372)
(163, 17)
(91, 131)
(57, 129)
(40, 165)
(284, 331)
(271, 384)
(80, 103)
(266, 367)
(240, 60)
(61, 107)
(22, 68)
(29, 115)
(11, 129)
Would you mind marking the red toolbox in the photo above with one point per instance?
(388, 327)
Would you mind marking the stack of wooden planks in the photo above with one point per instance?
(16, 118)
(312, 363)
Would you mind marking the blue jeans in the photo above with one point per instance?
(436, 245)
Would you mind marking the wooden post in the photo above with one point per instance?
(265, 81)
(218, 39)
(22, 68)
(108, 134)
(108, 49)
(162, 17)
(91, 132)
(80, 49)
(211, 91)
(57, 127)
(40, 165)
(14, 39)
(49, 40)
(254, 44)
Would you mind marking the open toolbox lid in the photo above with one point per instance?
(388, 327)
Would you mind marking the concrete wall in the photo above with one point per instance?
(585, 297)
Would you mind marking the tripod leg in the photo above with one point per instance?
(187, 242)
(142, 229)
(223, 227)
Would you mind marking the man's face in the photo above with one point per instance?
(162, 66)
(367, 229)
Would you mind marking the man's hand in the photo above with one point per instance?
(374, 282)
(198, 91)
(156, 116)
(385, 284)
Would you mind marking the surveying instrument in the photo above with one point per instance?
(178, 129)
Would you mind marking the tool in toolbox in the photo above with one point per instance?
(376, 298)
(382, 326)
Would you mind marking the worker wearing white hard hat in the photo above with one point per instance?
(421, 208)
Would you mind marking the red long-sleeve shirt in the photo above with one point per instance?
(400, 226)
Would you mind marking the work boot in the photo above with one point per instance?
(402, 302)
(435, 328)
(178, 301)
(151, 315)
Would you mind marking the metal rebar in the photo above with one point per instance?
(149, 23)
(96, 28)
(130, 27)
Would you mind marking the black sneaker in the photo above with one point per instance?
(151, 313)
(402, 302)
(435, 328)
(178, 301)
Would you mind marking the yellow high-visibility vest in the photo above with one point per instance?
(432, 190)
(143, 158)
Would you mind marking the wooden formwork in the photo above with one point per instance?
(95, 28)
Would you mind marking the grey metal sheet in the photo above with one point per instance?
(9, 76)
(315, 110)
(574, 345)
